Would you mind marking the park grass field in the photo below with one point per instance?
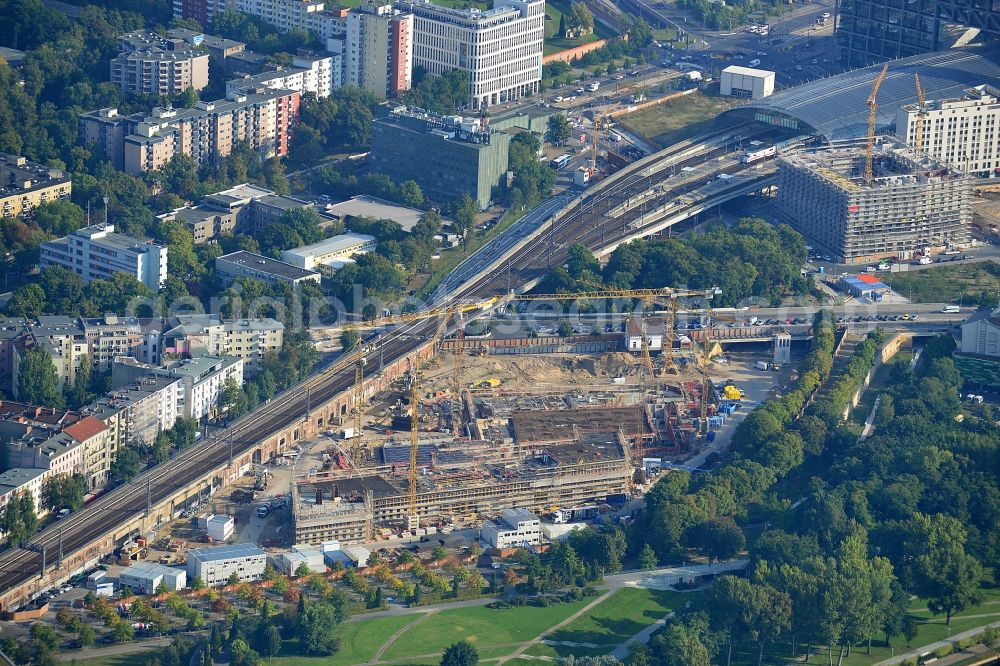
(946, 284)
(619, 617)
(359, 641)
(483, 627)
(138, 658)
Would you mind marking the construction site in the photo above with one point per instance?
(474, 432)
(911, 204)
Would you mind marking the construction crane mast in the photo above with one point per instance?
(412, 519)
(457, 420)
(872, 108)
(918, 140)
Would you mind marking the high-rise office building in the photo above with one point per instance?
(872, 31)
(500, 48)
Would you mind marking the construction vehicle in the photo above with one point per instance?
(730, 392)
(492, 382)
(872, 108)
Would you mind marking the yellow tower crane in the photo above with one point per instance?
(872, 108)
(412, 519)
(918, 139)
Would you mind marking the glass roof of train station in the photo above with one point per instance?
(836, 107)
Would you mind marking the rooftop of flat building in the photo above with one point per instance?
(241, 194)
(351, 489)
(562, 425)
(894, 164)
(19, 175)
(467, 131)
(106, 235)
(196, 323)
(201, 365)
(282, 202)
(267, 265)
(150, 570)
(338, 243)
(363, 205)
(228, 552)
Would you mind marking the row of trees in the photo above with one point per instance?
(881, 518)
(752, 258)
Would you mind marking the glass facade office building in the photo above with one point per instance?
(872, 31)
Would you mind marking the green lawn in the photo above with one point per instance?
(358, 642)
(622, 615)
(553, 13)
(965, 283)
(483, 627)
(678, 119)
(137, 658)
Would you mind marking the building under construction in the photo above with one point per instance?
(460, 480)
(913, 202)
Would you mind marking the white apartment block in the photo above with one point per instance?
(501, 48)
(964, 133)
(97, 253)
(152, 65)
(215, 565)
(314, 75)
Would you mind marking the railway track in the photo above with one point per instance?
(583, 223)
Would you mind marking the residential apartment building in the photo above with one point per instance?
(379, 47)
(134, 412)
(214, 566)
(62, 338)
(249, 339)
(96, 454)
(97, 253)
(964, 133)
(56, 441)
(146, 142)
(247, 264)
(58, 454)
(68, 340)
(332, 252)
(500, 48)
(22, 481)
(152, 65)
(201, 380)
(446, 156)
(12, 330)
(26, 185)
(308, 74)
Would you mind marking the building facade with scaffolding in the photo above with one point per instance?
(914, 203)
